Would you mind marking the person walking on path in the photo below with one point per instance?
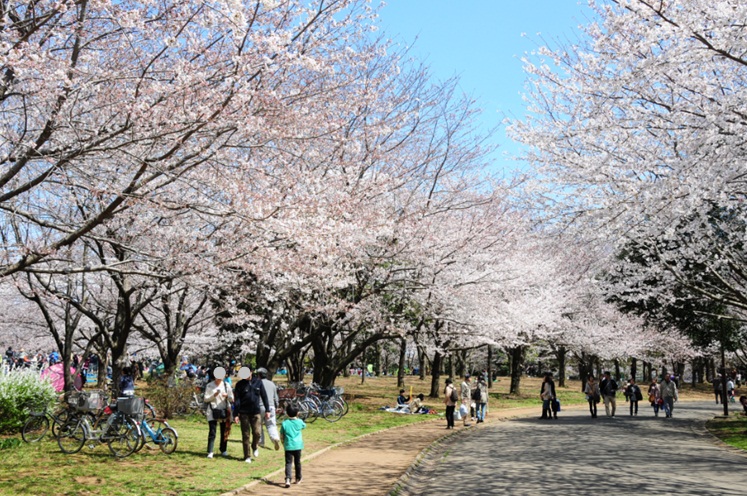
(269, 421)
(290, 433)
(249, 393)
(730, 390)
(547, 393)
(218, 395)
(717, 389)
(450, 399)
(634, 395)
(466, 397)
(592, 395)
(654, 395)
(668, 394)
(481, 398)
(608, 386)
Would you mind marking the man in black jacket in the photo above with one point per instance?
(248, 393)
(608, 387)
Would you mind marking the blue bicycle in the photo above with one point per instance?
(159, 433)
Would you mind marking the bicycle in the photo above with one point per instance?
(161, 434)
(120, 432)
(38, 423)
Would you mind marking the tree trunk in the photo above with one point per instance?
(377, 359)
(422, 359)
(561, 354)
(435, 375)
(517, 366)
(365, 367)
(402, 361)
(618, 375)
(490, 366)
(633, 368)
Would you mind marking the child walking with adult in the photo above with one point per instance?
(290, 434)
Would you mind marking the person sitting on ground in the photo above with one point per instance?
(402, 399)
(417, 404)
(743, 401)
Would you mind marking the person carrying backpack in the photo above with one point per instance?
(451, 397)
(480, 395)
(634, 395)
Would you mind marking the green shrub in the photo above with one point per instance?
(170, 400)
(19, 390)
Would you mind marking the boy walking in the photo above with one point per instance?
(290, 433)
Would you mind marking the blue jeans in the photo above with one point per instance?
(668, 406)
(481, 411)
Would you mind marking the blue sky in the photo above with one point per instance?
(481, 42)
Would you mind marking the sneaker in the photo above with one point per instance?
(210, 455)
(298, 481)
(287, 483)
(248, 460)
(468, 425)
(224, 454)
(277, 444)
(256, 453)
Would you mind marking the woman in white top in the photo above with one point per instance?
(218, 396)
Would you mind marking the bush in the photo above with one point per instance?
(19, 390)
(170, 400)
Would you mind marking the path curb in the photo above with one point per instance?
(265, 478)
(701, 426)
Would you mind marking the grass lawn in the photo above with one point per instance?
(731, 430)
(42, 469)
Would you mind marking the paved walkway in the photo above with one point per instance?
(576, 455)
(371, 465)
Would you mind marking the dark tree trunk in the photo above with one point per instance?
(634, 368)
(618, 375)
(490, 366)
(517, 367)
(435, 375)
(561, 355)
(377, 359)
(402, 362)
(423, 360)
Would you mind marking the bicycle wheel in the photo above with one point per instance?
(72, 436)
(345, 406)
(150, 412)
(332, 411)
(58, 420)
(35, 428)
(167, 440)
(311, 411)
(125, 441)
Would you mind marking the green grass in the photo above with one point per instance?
(731, 430)
(186, 472)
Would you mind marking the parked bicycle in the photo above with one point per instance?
(39, 421)
(159, 433)
(120, 432)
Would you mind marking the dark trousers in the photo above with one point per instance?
(450, 416)
(593, 408)
(251, 426)
(211, 435)
(633, 406)
(291, 457)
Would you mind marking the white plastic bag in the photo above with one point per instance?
(457, 414)
(463, 410)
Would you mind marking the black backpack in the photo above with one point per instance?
(454, 395)
(476, 395)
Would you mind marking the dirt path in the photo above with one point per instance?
(371, 465)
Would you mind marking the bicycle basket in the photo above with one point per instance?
(131, 406)
(286, 394)
(87, 401)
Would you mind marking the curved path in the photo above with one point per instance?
(576, 455)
